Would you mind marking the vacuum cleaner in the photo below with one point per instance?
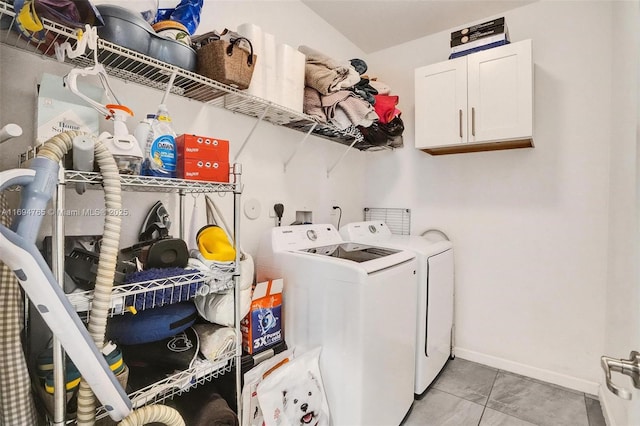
(18, 250)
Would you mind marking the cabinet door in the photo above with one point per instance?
(500, 93)
(441, 104)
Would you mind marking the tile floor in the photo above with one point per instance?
(467, 393)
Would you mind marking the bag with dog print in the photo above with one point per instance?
(250, 406)
(294, 395)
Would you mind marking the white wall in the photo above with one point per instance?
(530, 225)
(623, 282)
(304, 186)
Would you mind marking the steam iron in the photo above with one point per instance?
(159, 215)
(157, 249)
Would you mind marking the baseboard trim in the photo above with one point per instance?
(564, 380)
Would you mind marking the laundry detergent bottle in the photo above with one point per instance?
(160, 153)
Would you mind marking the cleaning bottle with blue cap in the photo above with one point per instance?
(160, 153)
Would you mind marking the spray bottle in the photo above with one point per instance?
(124, 146)
(142, 130)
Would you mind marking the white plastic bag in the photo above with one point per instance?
(252, 414)
(218, 308)
(294, 395)
(247, 267)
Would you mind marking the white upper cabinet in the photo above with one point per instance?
(441, 103)
(479, 102)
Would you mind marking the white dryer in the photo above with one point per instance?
(357, 302)
(434, 294)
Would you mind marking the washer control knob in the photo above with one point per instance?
(311, 234)
(372, 229)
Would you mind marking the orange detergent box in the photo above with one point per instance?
(262, 327)
(199, 169)
(202, 147)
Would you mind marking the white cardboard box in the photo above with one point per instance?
(60, 110)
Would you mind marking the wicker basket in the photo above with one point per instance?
(227, 63)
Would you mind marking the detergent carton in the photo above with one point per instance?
(203, 158)
(262, 327)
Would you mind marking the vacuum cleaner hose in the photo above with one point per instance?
(153, 413)
(55, 149)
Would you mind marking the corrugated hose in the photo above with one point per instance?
(55, 149)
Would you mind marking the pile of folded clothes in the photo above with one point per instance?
(341, 94)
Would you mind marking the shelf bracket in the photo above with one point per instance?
(341, 158)
(253, 129)
(304, 139)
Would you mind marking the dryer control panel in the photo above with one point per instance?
(372, 230)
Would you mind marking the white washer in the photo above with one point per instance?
(355, 301)
(435, 293)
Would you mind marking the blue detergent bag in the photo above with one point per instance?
(187, 13)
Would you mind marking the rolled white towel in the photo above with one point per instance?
(215, 340)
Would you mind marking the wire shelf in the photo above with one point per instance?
(202, 372)
(139, 183)
(135, 67)
(151, 184)
(154, 293)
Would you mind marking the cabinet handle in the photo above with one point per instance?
(473, 121)
(460, 121)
